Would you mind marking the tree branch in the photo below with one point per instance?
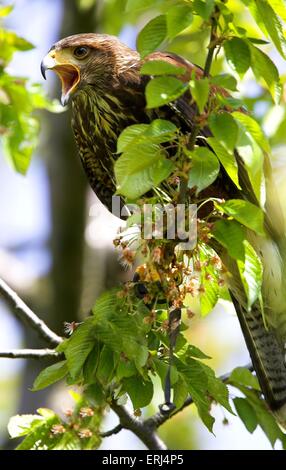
(30, 354)
(213, 42)
(113, 431)
(144, 430)
(27, 316)
(196, 126)
(140, 428)
(158, 419)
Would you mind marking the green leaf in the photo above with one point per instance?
(5, 11)
(17, 150)
(200, 92)
(125, 368)
(106, 367)
(250, 125)
(152, 35)
(243, 376)
(244, 212)
(160, 130)
(50, 375)
(179, 18)
(209, 298)
(217, 389)
(37, 429)
(133, 5)
(226, 158)
(139, 391)
(250, 146)
(279, 7)
(162, 369)
(265, 419)
(203, 407)
(79, 346)
(231, 235)
(204, 8)
(230, 102)
(251, 272)
(157, 132)
(253, 158)
(194, 375)
(91, 364)
(96, 394)
(10, 42)
(21, 139)
(9, 39)
(39, 100)
(225, 80)
(257, 41)
(161, 67)
(238, 55)
(225, 129)
(268, 423)
(264, 69)
(120, 331)
(161, 90)
(135, 176)
(273, 25)
(246, 413)
(227, 14)
(181, 341)
(46, 412)
(193, 351)
(20, 425)
(68, 441)
(130, 136)
(204, 170)
(181, 392)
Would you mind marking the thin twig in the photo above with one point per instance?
(192, 142)
(138, 427)
(27, 316)
(158, 419)
(113, 431)
(212, 44)
(197, 127)
(30, 354)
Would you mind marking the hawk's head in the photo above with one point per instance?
(88, 59)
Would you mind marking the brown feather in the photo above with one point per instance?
(110, 97)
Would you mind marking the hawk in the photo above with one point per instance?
(101, 78)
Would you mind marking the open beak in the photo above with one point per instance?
(69, 75)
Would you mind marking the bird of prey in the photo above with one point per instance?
(101, 77)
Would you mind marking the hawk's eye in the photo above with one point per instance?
(81, 52)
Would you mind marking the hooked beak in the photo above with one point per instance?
(68, 73)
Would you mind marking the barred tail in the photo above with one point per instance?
(267, 356)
